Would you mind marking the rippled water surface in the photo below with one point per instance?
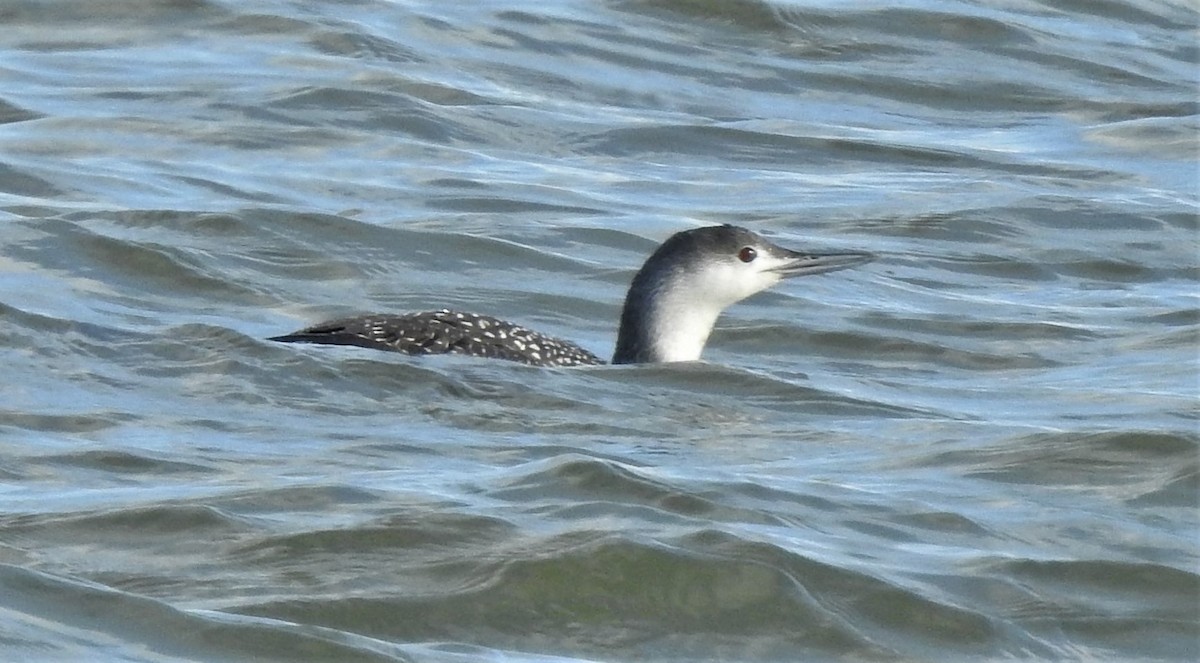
(982, 446)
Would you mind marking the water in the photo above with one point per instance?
(982, 446)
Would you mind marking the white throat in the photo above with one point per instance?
(682, 317)
(679, 325)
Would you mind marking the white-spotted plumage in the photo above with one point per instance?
(670, 308)
(447, 332)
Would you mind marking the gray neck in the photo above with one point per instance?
(664, 320)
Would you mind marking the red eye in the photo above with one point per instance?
(747, 254)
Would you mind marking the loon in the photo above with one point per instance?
(670, 309)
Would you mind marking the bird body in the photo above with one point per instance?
(446, 332)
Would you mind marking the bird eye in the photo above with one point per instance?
(747, 254)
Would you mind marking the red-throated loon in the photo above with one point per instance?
(670, 308)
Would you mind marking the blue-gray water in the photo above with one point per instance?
(982, 446)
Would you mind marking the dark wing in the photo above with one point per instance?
(446, 332)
